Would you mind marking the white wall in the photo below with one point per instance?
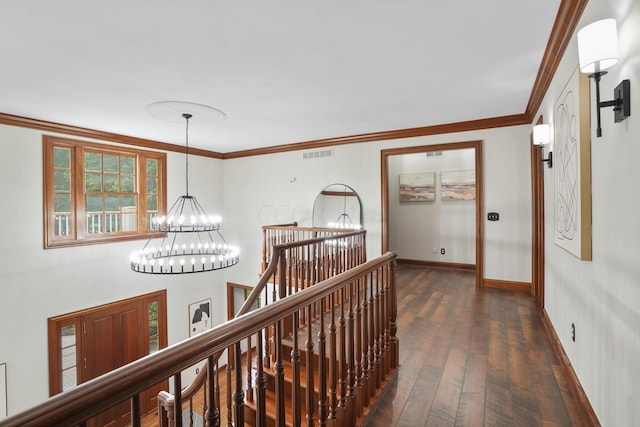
(418, 230)
(602, 296)
(36, 284)
(261, 190)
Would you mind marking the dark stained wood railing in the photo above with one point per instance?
(362, 295)
(298, 257)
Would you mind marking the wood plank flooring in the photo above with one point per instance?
(472, 357)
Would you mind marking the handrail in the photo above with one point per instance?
(91, 398)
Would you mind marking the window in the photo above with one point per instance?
(97, 193)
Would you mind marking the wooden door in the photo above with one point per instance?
(86, 344)
(111, 340)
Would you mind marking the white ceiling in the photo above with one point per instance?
(283, 71)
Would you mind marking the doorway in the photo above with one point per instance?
(476, 146)
(88, 343)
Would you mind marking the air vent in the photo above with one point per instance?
(434, 153)
(319, 154)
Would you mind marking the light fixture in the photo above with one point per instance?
(344, 220)
(542, 137)
(188, 240)
(598, 50)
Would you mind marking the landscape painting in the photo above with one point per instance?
(418, 187)
(458, 185)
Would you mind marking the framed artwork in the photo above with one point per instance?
(199, 317)
(572, 167)
(3, 391)
(418, 187)
(458, 185)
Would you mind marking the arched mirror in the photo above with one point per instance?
(337, 206)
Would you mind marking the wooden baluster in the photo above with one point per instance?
(365, 341)
(238, 394)
(342, 373)
(177, 384)
(333, 395)
(216, 377)
(135, 410)
(359, 395)
(378, 333)
(310, 370)
(385, 319)
(395, 344)
(371, 341)
(229, 370)
(279, 373)
(249, 391)
(351, 373)
(295, 366)
(212, 413)
(322, 369)
(261, 385)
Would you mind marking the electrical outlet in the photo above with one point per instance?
(573, 332)
(441, 251)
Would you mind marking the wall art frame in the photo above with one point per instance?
(417, 187)
(199, 317)
(458, 185)
(572, 167)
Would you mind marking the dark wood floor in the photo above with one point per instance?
(472, 357)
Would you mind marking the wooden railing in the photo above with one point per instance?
(298, 258)
(357, 348)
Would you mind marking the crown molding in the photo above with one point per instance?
(26, 122)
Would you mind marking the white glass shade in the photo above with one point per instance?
(598, 46)
(541, 134)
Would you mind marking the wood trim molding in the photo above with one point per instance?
(586, 409)
(567, 18)
(490, 123)
(437, 264)
(507, 284)
(384, 187)
(26, 122)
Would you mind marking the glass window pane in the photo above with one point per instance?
(153, 328)
(92, 161)
(112, 203)
(152, 185)
(69, 379)
(93, 182)
(152, 167)
(94, 203)
(152, 203)
(110, 163)
(62, 180)
(128, 203)
(61, 158)
(94, 223)
(111, 183)
(127, 165)
(68, 335)
(153, 345)
(62, 225)
(153, 310)
(126, 184)
(68, 357)
(129, 222)
(62, 202)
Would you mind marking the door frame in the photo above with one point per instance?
(537, 220)
(384, 182)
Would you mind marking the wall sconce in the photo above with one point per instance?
(542, 137)
(598, 50)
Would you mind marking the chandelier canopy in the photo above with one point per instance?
(186, 239)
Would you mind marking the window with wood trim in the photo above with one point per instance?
(96, 193)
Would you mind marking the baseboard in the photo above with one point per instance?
(585, 406)
(506, 284)
(436, 264)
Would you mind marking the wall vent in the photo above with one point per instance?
(318, 154)
(434, 153)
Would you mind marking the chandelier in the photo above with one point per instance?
(186, 239)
